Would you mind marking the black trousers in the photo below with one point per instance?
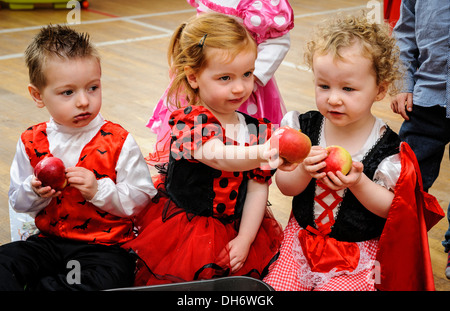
(46, 263)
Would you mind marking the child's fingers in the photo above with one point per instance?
(315, 157)
(335, 179)
(236, 264)
(313, 167)
(316, 175)
(273, 159)
(36, 183)
(288, 167)
(333, 182)
(75, 180)
(46, 192)
(270, 153)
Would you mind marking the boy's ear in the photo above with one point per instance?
(191, 77)
(382, 90)
(36, 95)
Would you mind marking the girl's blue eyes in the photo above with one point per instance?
(227, 78)
(326, 87)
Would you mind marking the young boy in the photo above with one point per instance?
(82, 226)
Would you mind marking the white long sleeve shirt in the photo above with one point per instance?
(131, 193)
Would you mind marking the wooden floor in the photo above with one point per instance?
(132, 40)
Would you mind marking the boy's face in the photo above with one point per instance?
(72, 94)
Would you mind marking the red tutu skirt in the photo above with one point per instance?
(174, 246)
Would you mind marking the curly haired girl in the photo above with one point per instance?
(333, 236)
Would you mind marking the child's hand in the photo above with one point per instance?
(275, 161)
(43, 192)
(402, 103)
(239, 248)
(315, 161)
(287, 166)
(82, 179)
(340, 181)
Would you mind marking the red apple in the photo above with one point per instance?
(293, 146)
(338, 160)
(51, 172)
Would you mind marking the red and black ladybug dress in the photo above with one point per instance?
(184, 235)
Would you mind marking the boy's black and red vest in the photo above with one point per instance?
(353, 223)
(70, 216)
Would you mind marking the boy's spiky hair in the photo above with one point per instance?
(55, 41)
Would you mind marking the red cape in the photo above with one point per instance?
(392, 11)
(403, 255)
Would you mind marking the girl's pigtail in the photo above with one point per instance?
(174, 45)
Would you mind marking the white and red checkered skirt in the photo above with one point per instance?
(293, 270)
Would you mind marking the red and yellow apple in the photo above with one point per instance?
(338, 159)
(51, 172)
(293, 146)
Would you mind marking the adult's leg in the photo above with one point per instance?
(428, 132)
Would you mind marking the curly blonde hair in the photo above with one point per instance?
(375, 39)
(190, 43)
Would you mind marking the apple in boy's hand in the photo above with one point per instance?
(51, 172)
(293, 146)
(338, 159)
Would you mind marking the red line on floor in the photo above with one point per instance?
(101, 13)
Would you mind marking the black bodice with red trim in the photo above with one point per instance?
(353, 222)
(198, 188)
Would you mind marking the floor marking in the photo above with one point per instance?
(99, 12)
(353, 8)
(106, 20)
(130, 40)
(170, 31)
(167, 32)
(10, 56)
(294, 66)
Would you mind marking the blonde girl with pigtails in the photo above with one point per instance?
(210, 218)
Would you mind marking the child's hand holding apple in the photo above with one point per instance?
(288, 148)
(49, 177)
(333, 166)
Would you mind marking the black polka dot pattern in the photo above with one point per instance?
(193, 126)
